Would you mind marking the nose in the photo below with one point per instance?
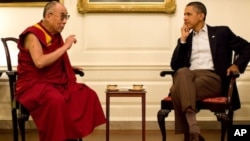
(185, 17)
(64, 21)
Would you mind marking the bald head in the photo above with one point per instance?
(55, 16)
(49, 7)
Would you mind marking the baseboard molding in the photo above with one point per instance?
(131, 125)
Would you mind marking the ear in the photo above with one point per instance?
(202, 16)
(48, 15)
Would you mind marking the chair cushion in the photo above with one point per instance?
(216, 100)
(168, 98)
(208, 100)
(216, 104)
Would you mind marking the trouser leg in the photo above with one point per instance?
(189, 86)
(182, 77)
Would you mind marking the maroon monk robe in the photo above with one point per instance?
(60, 107)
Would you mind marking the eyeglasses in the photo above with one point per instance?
(62, 16)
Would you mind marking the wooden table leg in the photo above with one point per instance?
(107, 116)
(126, 94)
(143, 117)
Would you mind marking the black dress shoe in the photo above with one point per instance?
(196, 137)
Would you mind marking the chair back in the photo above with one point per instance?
(11, 73)
(6, 41)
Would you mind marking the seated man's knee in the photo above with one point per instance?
(54, 98)
(182, 72)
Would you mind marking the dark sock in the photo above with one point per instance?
(191, 119)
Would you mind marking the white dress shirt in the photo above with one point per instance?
(201, 57)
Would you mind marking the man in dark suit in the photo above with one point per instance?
(202, 61)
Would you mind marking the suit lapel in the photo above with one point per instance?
(212, 40)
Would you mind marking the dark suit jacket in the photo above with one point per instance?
(222, 43)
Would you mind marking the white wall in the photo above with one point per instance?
(128, 48)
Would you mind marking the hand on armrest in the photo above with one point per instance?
(234, 74)
(78, 71)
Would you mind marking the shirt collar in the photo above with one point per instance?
(204, 29)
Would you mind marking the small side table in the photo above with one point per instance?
(128, 93)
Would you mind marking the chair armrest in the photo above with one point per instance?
(233, 76)
(78, 72)
(1, 72)
(12, 73)
(167, 72)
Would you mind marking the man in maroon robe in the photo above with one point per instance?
(61, 108)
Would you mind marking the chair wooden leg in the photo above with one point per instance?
(14, 124)
(223, 119)
(21, 123)
(226, 124)
(223, 130)
(229, 125)
(162, 114)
